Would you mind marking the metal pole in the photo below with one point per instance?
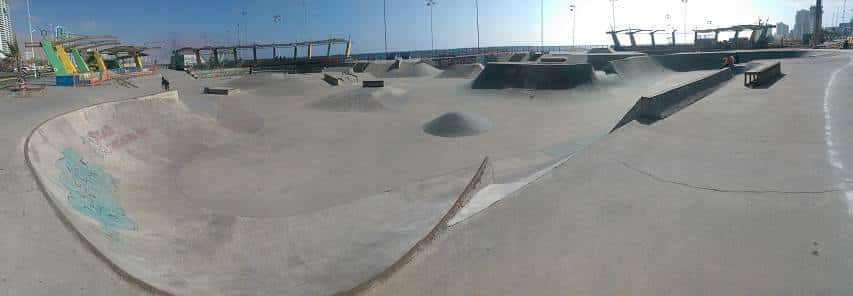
(477, 9)
(613, 10)
(431, 32)
(542, 26)
(385, 23)
(574, 18)
(32, 50)
(685, 19)
(430, 4)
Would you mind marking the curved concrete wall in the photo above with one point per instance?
(111, 170)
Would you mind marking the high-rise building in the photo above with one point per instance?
(781, 30)
(5, 26)
(802, 24)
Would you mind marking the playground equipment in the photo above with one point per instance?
(67, 56)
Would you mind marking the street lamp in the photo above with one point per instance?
(542, 26)
(613, 10)
(431, 4)
(32, 50)
(572, 8)
(685, 19)
(477, 12)
(385, 24)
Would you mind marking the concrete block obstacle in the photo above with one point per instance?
(225, 91)
(331, 80)
(667, 102)
(762, 75)
(373, 83)
(533, 76)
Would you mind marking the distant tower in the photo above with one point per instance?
(817, 36)
(5, 26)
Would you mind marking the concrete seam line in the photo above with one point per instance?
(66, 220)
(439, 229)
(716, 189)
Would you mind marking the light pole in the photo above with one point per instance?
(385, 25)
(430, 4)
(573, 9)
(542, 26)
(685, 19)
(613, 10)
(305, 7)
(477, 12)
(32, 50)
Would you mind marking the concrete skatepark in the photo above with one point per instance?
(297, 187)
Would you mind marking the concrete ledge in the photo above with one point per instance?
(219, 73)
(762, 74)
(533, 76)
(331, 80)
(226, 91)
(667, 102)
(373, 83)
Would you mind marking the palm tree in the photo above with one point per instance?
(14, 56)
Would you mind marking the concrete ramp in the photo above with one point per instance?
(110, 170)
(462, 71)
(401, 69)
(533, 76)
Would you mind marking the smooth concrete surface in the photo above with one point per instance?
(262, 193)
(746, 192)
(328, 189)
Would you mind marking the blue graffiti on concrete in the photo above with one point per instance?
(90, 191)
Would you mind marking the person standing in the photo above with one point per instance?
(164, 83)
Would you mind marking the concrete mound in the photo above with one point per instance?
(533, 76)
(401, 69)
(462, 71)
(363, 100)
(457, 124)
(277, 84)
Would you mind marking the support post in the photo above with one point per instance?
(633, 41)
(234, 51)
(329, 49)
(295, 49)
(615, 40)
(695, 37)
(310, 50)
(215, 56)
(198, 58)
(255, 53)
(349, 48)
(653, 39)
(673, 37)
(274, 54)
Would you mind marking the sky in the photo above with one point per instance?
(168, 23)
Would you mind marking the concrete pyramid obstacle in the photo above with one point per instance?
(457, 124)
